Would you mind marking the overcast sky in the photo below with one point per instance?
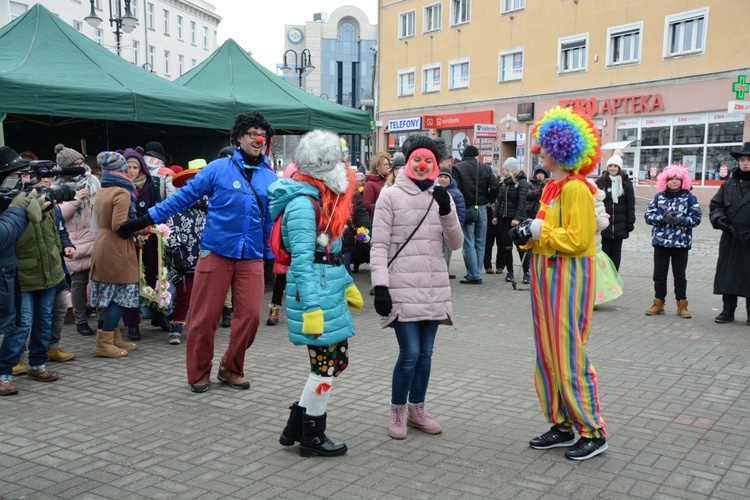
(259, 26)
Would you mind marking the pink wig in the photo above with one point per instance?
(423, 153)
(674, 170)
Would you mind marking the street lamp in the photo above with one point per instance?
(125, 22)
(303, 68)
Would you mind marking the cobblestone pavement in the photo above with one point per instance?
(674, 393)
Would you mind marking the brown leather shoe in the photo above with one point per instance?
(43, 375)
(7, 388)
(233, 379)
(202, 384)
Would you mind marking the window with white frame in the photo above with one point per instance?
(150, 16)
(98, 4)
(136, 50)
(431, 76)
(179, 27)
(98, 35)
(459, 74)
(511, 65)
(624, 44)
(194, 62)
(180, 64)
(511, 5)
(166, 22)
(17, 9)
(205, 37)
(134, 9)
(460, 11)
(151, 56)
(433, 17)
(685, 33)
(573, 53)
(406, 24)
(406, 82)
(78, 25)
(166, 62)
(192, 32)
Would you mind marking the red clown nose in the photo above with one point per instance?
(422, 166)
(260, 140)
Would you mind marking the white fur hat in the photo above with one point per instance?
(320, 155)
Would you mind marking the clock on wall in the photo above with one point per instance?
(295, 36)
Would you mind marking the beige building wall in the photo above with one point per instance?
(537, 30)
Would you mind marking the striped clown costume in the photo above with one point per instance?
(563, 274)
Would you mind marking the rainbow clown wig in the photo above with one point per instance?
(674, 170)
(569, 138)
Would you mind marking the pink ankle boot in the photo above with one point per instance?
(397, 427)
(418, 419)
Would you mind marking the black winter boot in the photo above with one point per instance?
(134, 333)
(159, 320)
(314, 440)
(726, 316)
(292, 433)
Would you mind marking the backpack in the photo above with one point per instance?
(276, 242)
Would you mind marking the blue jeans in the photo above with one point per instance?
(412, 371)
(36, 317)
(348, 262)
(475, 237)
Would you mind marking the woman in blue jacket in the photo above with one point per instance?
(316, 204)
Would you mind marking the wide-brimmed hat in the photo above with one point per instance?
(745, 151)
(194, 166)
(10, 161)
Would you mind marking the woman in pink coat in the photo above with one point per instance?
(414, 219)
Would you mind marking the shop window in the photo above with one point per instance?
(406, 24)
(716, 156)
(690, 158)
(406, 82)
(650, 158)
(460, 11)
(655, 136)
(685, 33)
(573, 51)
(689, 134)
(626, 134)
(511, 65)
(512, 5)
(431, 76)
(459, 74)
(624, 44)
(433, 17)
(725, 132)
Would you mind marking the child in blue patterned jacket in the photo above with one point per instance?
(673, 212)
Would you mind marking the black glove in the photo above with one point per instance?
(521, 234)
(671, 218)
(129, 227)
(383, 302)
(443, 199)
(723, 224)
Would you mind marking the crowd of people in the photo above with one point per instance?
(142, 238)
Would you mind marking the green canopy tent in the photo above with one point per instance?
(230, 73)
(53, 76)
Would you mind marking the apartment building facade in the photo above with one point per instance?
(663, 81)
(170, 38)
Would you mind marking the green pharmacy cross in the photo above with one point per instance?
(740, 87)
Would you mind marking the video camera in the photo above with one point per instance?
(36, 171)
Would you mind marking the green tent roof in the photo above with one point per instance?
(49, 68)
(230, 73)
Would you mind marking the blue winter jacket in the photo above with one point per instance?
(310, 286)
(688, 211)
(236, 227)
(13, 223)
(458, 199)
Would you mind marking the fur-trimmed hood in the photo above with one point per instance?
(320, 155)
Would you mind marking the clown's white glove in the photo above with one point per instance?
(536, 228)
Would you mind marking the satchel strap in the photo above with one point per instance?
(432, 200)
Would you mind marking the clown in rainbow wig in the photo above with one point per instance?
(562, 241)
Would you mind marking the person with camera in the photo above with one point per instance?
(563, 250)
(78, 215)
(37, 267)
(234, 244)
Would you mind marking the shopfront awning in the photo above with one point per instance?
(618, 145)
